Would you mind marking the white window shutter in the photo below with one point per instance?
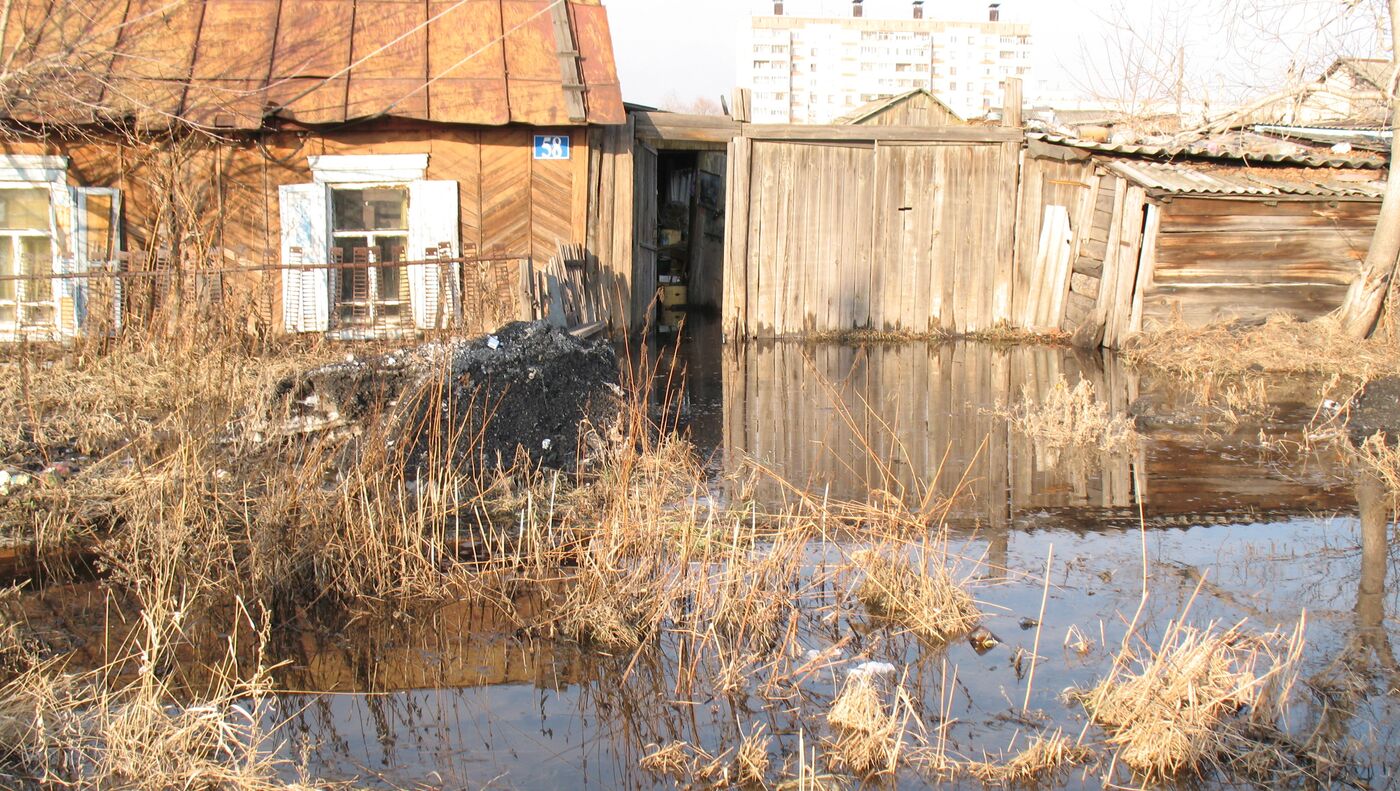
(305, 211)
(433, 220)
(64, 221)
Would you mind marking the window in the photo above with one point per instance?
(26, 250)
(381, 226)
(369, 226)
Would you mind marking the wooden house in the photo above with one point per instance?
(918, 107)
(1113, 240)
(357, 167)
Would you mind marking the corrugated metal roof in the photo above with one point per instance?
(1367, 138)
(234, 63)
(1170, 152)
(1185, 180)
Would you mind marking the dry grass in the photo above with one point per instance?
(870, 337)
(1072, 418)
(868, 734)
(1280, 345)
(1041, 761)
(923, 598)
(1381, 457)
(1198, 702)
(76, 731)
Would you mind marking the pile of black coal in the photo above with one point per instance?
(475, 402)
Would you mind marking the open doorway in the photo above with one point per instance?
(690, 235)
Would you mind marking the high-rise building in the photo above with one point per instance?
(814, 69)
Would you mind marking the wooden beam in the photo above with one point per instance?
(569, 69)
(1014, 104)
(691, 132)
(882, 134)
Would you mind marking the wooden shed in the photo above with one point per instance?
(918, 107)
(1117, 239)
(358, 168)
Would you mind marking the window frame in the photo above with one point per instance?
(15, 238)
(375, 303)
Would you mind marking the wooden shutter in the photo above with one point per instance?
(433, 221)
(305, 211)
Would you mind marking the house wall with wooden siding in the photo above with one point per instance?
(510, 203)
(1219, 259)
(891, 232)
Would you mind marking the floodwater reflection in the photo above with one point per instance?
(919, 419)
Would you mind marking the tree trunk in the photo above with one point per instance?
(1367, 295)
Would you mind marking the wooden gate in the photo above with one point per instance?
(888, 228)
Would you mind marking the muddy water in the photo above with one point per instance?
(1241, 512)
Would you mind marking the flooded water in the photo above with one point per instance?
(1238, 512)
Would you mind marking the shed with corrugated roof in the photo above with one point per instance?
(1123, 238)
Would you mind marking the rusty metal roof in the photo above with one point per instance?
(1180, 179)
(1206, 153)
(236, 63)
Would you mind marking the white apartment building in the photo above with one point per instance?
(810, 70)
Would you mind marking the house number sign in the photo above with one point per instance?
(551, 146)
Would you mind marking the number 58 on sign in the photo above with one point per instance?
(551, 146)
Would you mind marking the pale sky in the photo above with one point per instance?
(686, 48)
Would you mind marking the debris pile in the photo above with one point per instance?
(528, 386)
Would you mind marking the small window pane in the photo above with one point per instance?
(101, 243)
(373, 209)
(7, 269)
(24, 209)
(37, 252)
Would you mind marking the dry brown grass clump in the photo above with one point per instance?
(1381, 457)
(869, 735)
(1073, 417)
(1041, 761)
(747, 765)
(1281, 344)
(923, 598)
(1202, 699)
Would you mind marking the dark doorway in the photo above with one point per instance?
(690, 235)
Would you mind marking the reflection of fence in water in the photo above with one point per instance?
(912, 419)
